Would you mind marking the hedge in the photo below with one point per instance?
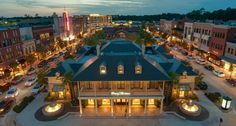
(23, 104)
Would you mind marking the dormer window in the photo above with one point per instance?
(103, 69)
(120, 69)
(138, 69)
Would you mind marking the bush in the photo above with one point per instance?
(49, 98)
(193, 97)
(84, 103)
(214, 97)
(75, 102)
(157, 103)
(23, 104)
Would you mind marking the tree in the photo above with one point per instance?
(231, 69)
(68, 55)
(52, 48)
(13, 66)
(42, 77)
(67, 80)
(30, 59)
(168, 87)
(41, 50)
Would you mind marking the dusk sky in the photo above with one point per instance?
(126, 7)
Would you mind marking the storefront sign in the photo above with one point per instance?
(120, 93)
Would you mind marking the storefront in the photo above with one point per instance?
(215, 60)
(229, 65)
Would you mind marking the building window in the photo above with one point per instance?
(103, 69)
(138, 69)
(120, 69)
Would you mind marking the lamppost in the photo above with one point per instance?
(226, 103)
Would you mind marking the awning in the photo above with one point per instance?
(230, 60)
(184, 87)
(58, 88)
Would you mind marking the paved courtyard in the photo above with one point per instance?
(26, 118)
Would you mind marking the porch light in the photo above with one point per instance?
(226, 102)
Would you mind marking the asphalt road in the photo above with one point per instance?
(215, 84)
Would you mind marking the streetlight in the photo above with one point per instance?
(226, 102)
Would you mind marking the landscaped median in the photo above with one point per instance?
(20, 107)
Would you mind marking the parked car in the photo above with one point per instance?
(31, 81)
(190, 57)
(184, 52)
(57, 55)
(209, 67)
(11, 93)
(51, 59)
(37, 88)
(5, 105)
(219, 73)
(232, 82)
(202, 85)
(4, 87)
(42, 64)
(31, 71)
(200, 61)
(17, 79)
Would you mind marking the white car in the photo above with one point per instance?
(37, 88)
(200, 61)
(219, 73)
(31, 81)
(11, 93)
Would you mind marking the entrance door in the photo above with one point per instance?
(181, 94)
(121, 102)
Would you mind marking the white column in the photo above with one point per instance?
(161, 107)
(145, 106)
(96, 106)
(80, 107)
(112, 107)
(129, 107)
(163, 87)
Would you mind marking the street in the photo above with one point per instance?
(215, 84)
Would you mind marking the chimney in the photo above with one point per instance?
(143, 49)
(98, 49)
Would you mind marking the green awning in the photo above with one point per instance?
(58, 88)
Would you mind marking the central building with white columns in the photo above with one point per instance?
(121, 78)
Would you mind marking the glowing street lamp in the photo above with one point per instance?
(226, 102)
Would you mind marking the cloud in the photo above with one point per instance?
(137, 7)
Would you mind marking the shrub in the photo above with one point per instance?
(75, 102)
(214, 97)
(157, 103)
(84, 103)
(23, 104)
(49, 98)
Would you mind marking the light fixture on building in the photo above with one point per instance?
(226, 102)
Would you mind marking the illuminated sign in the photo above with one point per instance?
(120, 93)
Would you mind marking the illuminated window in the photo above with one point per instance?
(120, 69)
(103, 69)
(138, 69)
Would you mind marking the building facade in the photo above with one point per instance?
(28, 43)
(202, 35)
(10, 46)
(43, 35)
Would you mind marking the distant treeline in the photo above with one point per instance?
(201, 14)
